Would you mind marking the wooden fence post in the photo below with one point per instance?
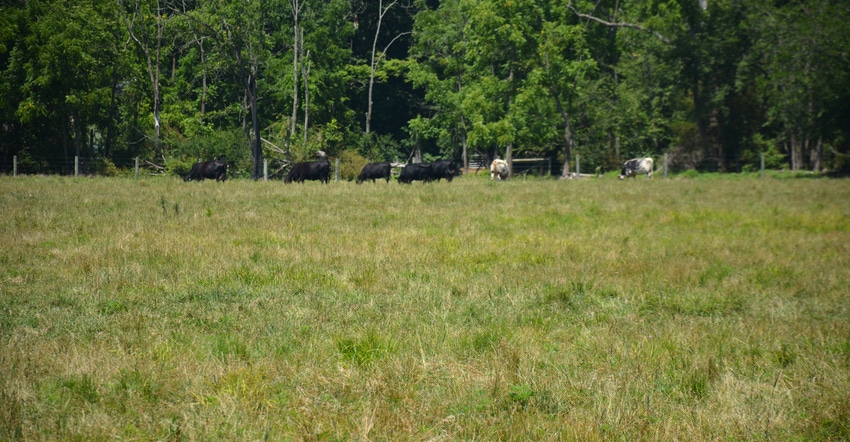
(76, 166)
(761, 175)
(137, 168)
(15, 165)
(578, 167)
(265, 170)
(665, 166)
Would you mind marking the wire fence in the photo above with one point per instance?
(141, 167)
(74, 166)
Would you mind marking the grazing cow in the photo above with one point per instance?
(499, 169)
(444, 169)
(375, 171)
(208, 169)
(311, 170)
(416, 172)
(635, 167)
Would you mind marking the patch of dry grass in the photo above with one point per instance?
(590, 310)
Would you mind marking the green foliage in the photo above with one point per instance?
(715, 88)
(350, 165)
(229, 146)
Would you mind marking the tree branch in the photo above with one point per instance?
(620, 25)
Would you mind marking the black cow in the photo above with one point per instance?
(444, 169)
(311, 170)
(375, 171)
(416, 172)
(208, 169)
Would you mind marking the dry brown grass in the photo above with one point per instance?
(692, 309)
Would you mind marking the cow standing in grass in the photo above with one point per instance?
(312, 170)
(635, 167)
(375, 171)
(416, 172)
(499, 170)
(443, 169)
(208, 169)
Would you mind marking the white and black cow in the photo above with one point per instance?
(375, 171)
(208, 169)
(312, 170)
(499, 169)
(637, 166)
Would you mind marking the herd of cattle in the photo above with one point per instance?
(320, 171)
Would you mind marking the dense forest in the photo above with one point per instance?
(714, 84)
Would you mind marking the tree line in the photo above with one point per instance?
(714, 84)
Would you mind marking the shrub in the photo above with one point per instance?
(350, 165)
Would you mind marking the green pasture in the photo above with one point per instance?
(596, 309)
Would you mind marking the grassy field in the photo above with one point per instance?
(688, 309)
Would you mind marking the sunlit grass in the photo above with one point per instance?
(538, 309)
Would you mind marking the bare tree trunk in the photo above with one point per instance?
(295, 6)
(305, 74)
(465, 151)
(203, 80)
(465, 145)
(796, 154)
(373, 64)
(202, 51)
(816, 157)
(568, 133)
(65, 143)
(256, 147)
(509, 157)
(152, 61)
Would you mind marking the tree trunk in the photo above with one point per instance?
(295, 48)
(203, 80)
(110, 123)
(464, 149)
(153, 62)
(373, 64)
(816, 157)
(65, 144)
(796, 154)
(256, 148)
(568, 133)
(305, 74)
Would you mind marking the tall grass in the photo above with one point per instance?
(586, 310)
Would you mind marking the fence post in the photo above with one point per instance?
(761, 175)
(578, 167)
(665, 166)
(76, 166)
(336, 171)
(137, 168)
(265, 170)
(15, 165)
